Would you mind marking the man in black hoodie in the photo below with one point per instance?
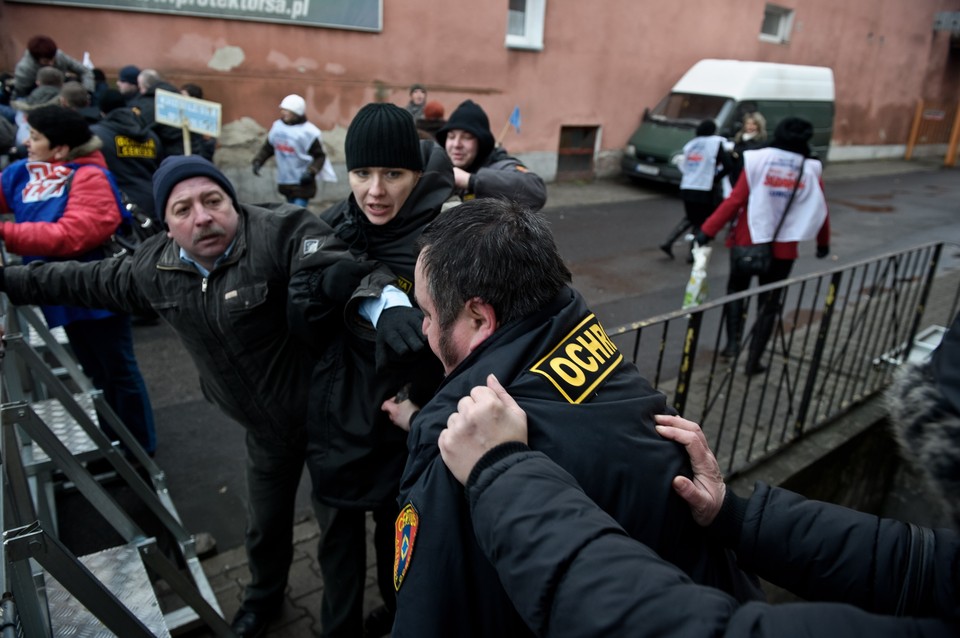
(133, 151)
(480, 169)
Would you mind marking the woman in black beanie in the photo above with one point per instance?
(66, 205)
(355, 454)
(771, 177)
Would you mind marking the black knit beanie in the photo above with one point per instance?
(470, 117)
(60, 125)
(177, 168)
(793, 134)
(383, 135)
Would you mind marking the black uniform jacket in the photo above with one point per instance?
(571, 570)
(355, 454)
(590, 411)
(133, 153)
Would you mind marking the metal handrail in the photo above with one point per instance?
(838, 337)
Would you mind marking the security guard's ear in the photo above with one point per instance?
(482, 321)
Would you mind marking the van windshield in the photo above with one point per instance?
(689, 109)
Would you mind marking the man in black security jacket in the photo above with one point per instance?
(132, 150)
(499, 302)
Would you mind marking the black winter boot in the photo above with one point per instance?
(675, 234)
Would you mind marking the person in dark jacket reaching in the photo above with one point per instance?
(495, 296)
(571, 570)
(355, 455)
(480, 168)
(220, 278)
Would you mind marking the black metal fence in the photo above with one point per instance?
(836, 338)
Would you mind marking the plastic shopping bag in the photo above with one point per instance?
(696, 291)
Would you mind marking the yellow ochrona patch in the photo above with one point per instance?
(404, 284)
(581, 361)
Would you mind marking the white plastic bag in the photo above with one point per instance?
(696, 291)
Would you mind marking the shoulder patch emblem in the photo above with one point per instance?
(581, 361)
(408, 522)
(311, 246)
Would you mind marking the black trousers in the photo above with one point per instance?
(343, 564)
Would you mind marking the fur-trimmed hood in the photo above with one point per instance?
(88, 147)
(927, 428)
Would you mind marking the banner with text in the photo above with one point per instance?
(363, 15)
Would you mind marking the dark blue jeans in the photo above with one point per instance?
(104, 348)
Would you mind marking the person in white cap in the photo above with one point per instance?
(298, 146)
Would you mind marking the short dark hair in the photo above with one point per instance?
(50, 76)
(193, 90)
(74, 95)
(42, 47)
(706, 127)
(494, 249)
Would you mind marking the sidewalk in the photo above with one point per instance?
(228, 570)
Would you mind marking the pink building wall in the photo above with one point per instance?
(601, 64)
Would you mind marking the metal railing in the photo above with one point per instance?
(836, 339)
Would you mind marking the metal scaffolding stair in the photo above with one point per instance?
(51, 430)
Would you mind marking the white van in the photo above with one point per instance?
(724, 91)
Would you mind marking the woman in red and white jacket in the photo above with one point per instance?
(65, 206)
(756, 207)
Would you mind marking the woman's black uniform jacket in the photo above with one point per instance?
(590, 411)
(355, 454)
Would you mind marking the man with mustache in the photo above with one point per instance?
(219, 278)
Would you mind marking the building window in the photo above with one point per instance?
(777, 23)
(525, 24)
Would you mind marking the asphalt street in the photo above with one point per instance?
(608, 231)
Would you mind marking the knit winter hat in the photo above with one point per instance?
(383, 135)
(129, 74)
(60, 125)
(294, 104)
(177, 168)
(470, 117)
(793, 134)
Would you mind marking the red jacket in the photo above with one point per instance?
(90, 217)
(735, 206)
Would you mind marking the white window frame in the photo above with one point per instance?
(784, 16)
(532, 37)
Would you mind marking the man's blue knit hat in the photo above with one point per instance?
(177, 168)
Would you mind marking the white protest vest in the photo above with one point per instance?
(771, 174)
(291, 144)
(699, 165)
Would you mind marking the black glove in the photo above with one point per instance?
(256, 167)
(399, 333)
(701, 238)
(306, 178)
(338, 281)
(822, 251)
